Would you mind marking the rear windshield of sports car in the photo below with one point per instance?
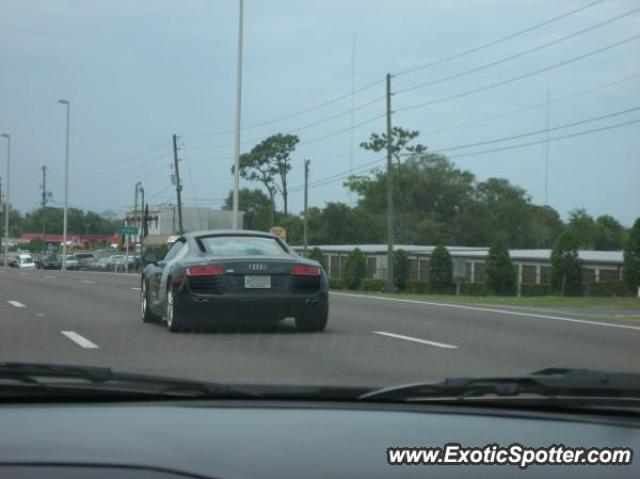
(242, 246)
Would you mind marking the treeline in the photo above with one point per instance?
(50, 220)
(435, 202)
(566, 278)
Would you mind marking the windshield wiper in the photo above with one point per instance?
(60, 378)
(547, 383)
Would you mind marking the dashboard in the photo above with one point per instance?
(279, 439)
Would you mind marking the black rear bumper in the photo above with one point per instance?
(234, 308)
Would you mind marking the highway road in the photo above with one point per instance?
(92, 319)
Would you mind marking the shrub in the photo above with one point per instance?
(631, 271)
(440, 271)
(417, 287)
(501, 274)
(532, 289)
(372, 285)
(612, 287)
(355, 269)
(566, 272)
(400, 269)
(473, 289)
(337, 283)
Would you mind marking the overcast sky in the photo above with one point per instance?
(137, 71)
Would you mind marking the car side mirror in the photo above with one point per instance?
(150, 257)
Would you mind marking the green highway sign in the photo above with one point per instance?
(128, 230)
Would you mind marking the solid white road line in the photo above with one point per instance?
(491, 310)
(80, 340)
(416, 340)
(88, 281)
(51, 277)
(17, 304)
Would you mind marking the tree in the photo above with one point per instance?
(608, 234)
(269, 163)
(293, 225)
(545, 226)
(256, 207)
(440, 271)
(509, 207)
(355, 269)
(36, 245)
(566, 272)
(433, 193)
(583, 227)
(400, 269)
(316, 254)
(631, 265)
(501, 274)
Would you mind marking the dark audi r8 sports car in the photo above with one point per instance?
(223, 276)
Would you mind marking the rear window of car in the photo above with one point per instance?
(242, 246)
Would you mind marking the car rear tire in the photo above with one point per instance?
(175, 322)
(313, 322)
(145, 311)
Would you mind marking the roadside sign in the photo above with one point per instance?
(128, 230)
(280, 232)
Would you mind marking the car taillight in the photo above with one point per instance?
(305, 270)
(204, 270)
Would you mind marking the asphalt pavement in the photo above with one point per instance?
(93, 319)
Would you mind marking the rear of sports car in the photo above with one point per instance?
(252, 288)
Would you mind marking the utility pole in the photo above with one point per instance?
(305, 231)
(546, 156)
(7, 198)
(178, 183)
(236, 152)
(43, 201)
(143, 224)
(390, 222)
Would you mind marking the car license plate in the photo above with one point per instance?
(261, 281)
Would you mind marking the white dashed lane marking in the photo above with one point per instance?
(416, 340)
(136, 289)
(80, 340)
(88, 281)
(17, 304)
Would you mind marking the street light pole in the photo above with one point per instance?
(6, 196)
(66, 188)
(236, 168)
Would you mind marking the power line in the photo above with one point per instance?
(165, 190)
(292, 115)
(186, 157)
(126, 160)
(519, 54)
(499, 40)
(538, 132)
(344, 130)
(128, 169)
(523, 76)
(557, 138)
(531, 106)
(345, 174)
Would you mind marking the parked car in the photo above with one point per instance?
(85, 260)
(50, 261)
(25, 261)
(101, 264)
(71, 262)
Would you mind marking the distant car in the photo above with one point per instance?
(101, 264)
(72, 262)
(85, 259)
(50, 261)
(25, 261)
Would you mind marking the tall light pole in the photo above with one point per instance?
(6, 197)
(66, 189)
(236, 168)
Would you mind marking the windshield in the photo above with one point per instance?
(415, 191)
(242, 246)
